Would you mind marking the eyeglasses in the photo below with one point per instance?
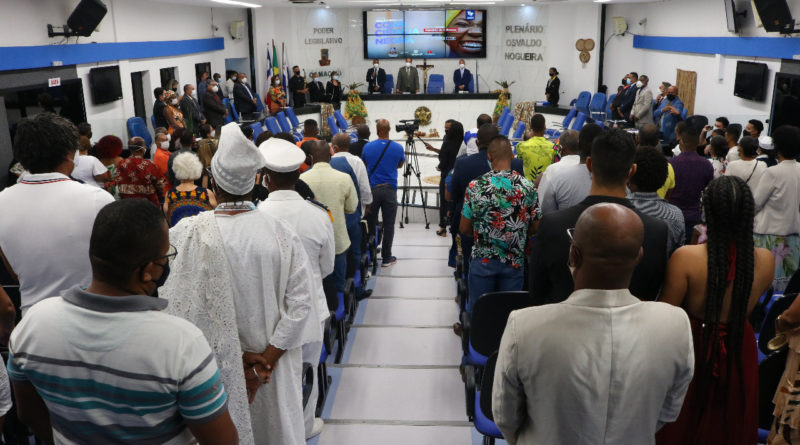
(570, 233)
(172, 252)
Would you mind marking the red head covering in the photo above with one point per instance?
(109, 147)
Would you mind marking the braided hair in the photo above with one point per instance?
(729, 208)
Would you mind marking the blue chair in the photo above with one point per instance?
(137, 127)
(579, 121)
(520, 130)
(597, 106)
(684, 112)
(153, 121)
(608, 106)
(257, 129)
(292, 118)
(332, 124)
(471, 85)
(505, 113)
(582, 104)
(272, 125)
(435, 84)
(283, 122)
(388, 86)
(259, 104)
(229, 117)
(484, 419)
(341, 122)
(505, 128)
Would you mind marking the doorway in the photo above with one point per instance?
(199, 69)
(167, 75)
(137, 86)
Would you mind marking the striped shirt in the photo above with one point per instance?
(116, 370)
(655, 206)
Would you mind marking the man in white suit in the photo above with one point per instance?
(642, 111)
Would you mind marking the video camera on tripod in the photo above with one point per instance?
(409, 126)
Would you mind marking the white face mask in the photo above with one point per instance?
(194, 94)
(169, 137)
(215, 88)
(408, 64)
(461, 65)
(375, 66)
(277, 83)
(244, 80)
(233, 78)
(174, 101)
(213, 133)
(335, 77)
(639, 84)
(165, 145)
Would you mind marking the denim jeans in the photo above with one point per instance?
(384, 198)
(487, 275)
(337, 278)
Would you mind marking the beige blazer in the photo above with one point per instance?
(643, 107)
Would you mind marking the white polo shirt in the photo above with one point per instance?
(45, 225)
(87, 168)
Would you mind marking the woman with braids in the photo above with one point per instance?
(718, 284)
(777, 199)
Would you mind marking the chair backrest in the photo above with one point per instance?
(579, 121)
(768, 323)
(436, 83)
(388, 86)
(153, 121)
(258, 128)
(489, 317)
(292, 118)
(259, 104)
(341, 122)
(283, 122)
(568, 118)
(598, 103)
(520, 130)
(228, 117)
(505, 128)
(272, 125)
(584, 98)
(487, 382)
(471, 85)
(608, 104)
(332, 125)
(770, 372)
(137, 127)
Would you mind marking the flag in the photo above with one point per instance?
(285, 76)
(268, 73)
(275, 69)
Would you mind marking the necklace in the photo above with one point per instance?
(238, 206)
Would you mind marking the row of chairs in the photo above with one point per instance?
(435, 84)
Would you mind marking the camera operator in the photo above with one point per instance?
(383, 158)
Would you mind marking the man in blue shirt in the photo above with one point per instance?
(383, 158)
(668, 114)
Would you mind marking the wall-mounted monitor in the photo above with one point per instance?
(785, 101)
(730, 15)
(105, 84)
(751, 80)
(428, 33)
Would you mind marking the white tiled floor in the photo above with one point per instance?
(442, 287)
(417, 252)
(405, 346)
(405, 312)
(366, 434)
(419, 268)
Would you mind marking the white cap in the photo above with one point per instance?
(765, 142)
(236, 162)
(281, 156)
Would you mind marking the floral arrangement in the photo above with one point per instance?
(355, 106)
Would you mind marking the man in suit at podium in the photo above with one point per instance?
(407, 79)
(461, 78)
(316, 90)
(376, 78)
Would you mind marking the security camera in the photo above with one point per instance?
(215, 28)
(643, 22)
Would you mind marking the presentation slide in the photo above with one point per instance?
(451, 33)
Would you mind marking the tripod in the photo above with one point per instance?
(411, 166)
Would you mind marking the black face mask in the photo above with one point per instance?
(670, 97)
(297, 73)
(745, 133)
(164, 274)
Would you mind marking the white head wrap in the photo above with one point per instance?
(236, 161)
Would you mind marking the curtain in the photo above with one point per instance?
(687, 88)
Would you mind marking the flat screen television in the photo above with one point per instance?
(105, 84)
(425, 33)
(751, 80)
(730, 15)
(785, 101)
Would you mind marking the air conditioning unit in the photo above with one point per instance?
(620, 25)
(237, 29)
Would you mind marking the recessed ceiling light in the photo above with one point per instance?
(237, 3)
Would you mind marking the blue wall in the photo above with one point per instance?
(771, 47)
(26, 57)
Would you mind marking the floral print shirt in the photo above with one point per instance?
(501, 205)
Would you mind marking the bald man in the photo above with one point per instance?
(616, 367)
(383, 158)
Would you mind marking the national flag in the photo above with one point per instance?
(275, 69)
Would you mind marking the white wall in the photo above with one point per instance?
(294, 25)
(688, 18)
(23, 23)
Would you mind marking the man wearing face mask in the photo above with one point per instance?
(316, 90)
(56, 211)
(407, 79)
(191, 110)
(376, 78)
(158, 108)
(67, 338)
(668, 114)
(642, 111)
(611, 165)
(243, 96)
(461, 78)
(221, 91)
(230, 82)
(297, 86)
(214, 110)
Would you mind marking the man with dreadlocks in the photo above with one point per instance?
(718, 284)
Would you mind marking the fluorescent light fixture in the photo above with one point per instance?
(237, 3)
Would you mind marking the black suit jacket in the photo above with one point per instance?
(215, 111)
(316, 91)
(549, 278)
(552, 89)
(356, 148)
(241, 100)
(378, 80)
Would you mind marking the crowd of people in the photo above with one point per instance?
(214, 260)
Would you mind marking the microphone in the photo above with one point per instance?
(488, 88)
